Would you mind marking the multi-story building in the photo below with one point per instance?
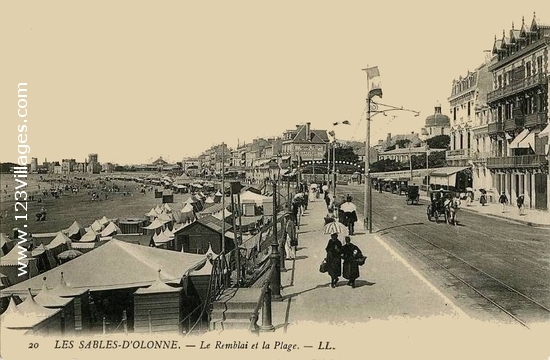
(191, 166)
(481, 146)
(470, 143)
(67, 165)
(519, 105)
(304, 144)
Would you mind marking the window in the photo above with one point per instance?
(528, 69)
(469, 108)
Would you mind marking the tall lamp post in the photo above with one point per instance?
(333, 134)
(372, 110)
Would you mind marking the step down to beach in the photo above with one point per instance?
(235, 312)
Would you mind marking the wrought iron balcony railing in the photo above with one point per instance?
(517, 86)
(532, 120)
(517, 161)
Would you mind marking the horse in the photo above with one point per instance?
(451, 209)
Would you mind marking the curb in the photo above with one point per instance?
(522, 222)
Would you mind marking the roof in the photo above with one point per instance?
(438, 120)
(212, 222)
(446, 171)
(116, 265)
(159, 287)
(12, 258)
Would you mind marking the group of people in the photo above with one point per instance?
(520, 201)
(349, 253)
(347, 212)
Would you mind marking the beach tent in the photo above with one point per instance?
(116, 265)
(90, 236)
(75, 231)
(104, 221)
(250, 196)
(154, 225)
(4, 244)
(110, 230)
(61, 240)
(96, 226)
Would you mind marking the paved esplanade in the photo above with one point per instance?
(387, 288)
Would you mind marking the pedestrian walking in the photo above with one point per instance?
(291, 240)
(327, 199)
(350, 214)
(350, 254)
(334, 259)
(520, 201)
(503, 200)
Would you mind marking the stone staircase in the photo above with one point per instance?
(234, 309)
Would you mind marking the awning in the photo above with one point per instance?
(518, 138)
(545, 131)
(528, 141)
(285, 157)
(445, 176)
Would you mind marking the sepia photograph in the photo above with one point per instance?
(274, 180)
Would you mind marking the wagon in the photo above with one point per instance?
(436, 208)
(413, 194)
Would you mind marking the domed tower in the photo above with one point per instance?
(436, 124)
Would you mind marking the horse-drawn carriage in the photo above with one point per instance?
(443, 203)
(413, 194)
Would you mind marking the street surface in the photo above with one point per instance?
(480, 264)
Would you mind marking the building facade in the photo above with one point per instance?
(470, 142)
(519, 120)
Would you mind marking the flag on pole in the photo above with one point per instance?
(373, 81)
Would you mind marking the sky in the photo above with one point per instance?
(135, 80)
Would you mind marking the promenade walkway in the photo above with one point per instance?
(393, 312)
(387, 288)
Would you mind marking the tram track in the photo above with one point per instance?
(513, 303)
(517, 305)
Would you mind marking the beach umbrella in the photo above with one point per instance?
(69, 254)
(336, 227)
(348, 207)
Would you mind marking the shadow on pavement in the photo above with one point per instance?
(305, 291)
(359, 283)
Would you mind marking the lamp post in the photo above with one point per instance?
(372, 110)
(275, 254)
(333, 134)
(427, 170)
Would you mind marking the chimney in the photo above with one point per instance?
(308, 130)
(388, 138)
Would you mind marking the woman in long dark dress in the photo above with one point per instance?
(351, 269)
(334, 259)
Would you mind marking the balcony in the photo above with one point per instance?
(516, 122)
(522, 161)
(459, 154)
(495, 128)
(517, 86)
(533, 120)
(480, 156)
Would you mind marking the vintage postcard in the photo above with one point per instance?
(274, 180)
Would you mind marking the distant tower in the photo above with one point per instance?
(34, 165)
